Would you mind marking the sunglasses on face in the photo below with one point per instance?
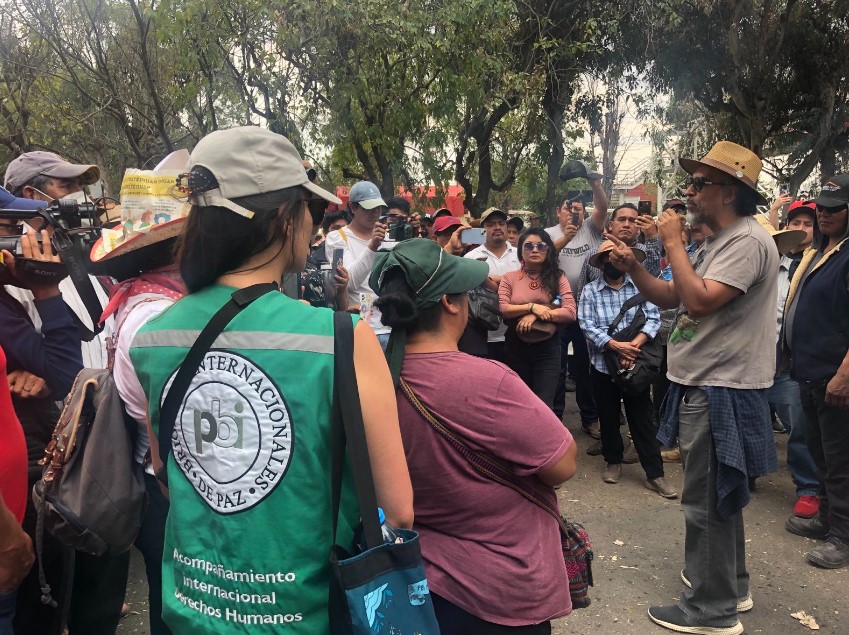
(540, 247)
(317, 207)
(699, 182)
(831, 210)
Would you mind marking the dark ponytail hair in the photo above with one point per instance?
(398, 308)
(217, 240)
(550, 271)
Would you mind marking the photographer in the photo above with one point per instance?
(45, 177)
(360, 241)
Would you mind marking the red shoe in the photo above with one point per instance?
(807, 507)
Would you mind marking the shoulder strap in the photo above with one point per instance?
(348, 429)
(480, 462)
(627, 306)
(73, 259)
(168, 413)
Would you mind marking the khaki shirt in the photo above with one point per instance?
(735, 346)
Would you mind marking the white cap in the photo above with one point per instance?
(246, 161)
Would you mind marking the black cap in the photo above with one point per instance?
(577, 169)
(834, 192)
(517, 222)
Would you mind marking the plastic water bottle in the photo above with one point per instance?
(388, 531)
(557, 302)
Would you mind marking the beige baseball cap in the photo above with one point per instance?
(29, 165)
(246, 161)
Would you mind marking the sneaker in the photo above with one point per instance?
(595, 448)
(807, 507)
(807, 527)
(629, 455)
(592, 428)
(832, 555)
(671, 456)
(612, 473)
(660, 486)
(743, 604)
(673, 618)
(570, 385)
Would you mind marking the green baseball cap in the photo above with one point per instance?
(430, 271)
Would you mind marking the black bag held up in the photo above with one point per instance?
(484, 310)
(634, 380)
(383, 589)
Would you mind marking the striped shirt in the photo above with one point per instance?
(600, 304)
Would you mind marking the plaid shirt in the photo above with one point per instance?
(600, 304)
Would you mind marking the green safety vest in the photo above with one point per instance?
(249, 530)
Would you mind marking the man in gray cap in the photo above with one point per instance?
(360, 241)
(47, 176)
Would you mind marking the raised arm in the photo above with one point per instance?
(599, 217)
(656, 290)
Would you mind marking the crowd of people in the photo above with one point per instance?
(701, 332)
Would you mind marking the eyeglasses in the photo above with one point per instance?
(540, 247)
(317, 207)
(831, 210)
(698, 182)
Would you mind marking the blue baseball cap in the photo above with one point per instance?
(366, 195)
(10, 201)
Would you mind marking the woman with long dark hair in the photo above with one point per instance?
(249, 471)
(535, 301)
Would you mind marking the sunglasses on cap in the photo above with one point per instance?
(317, 207)
(540, 247)
(699, 182)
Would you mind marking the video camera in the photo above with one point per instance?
(76, 227)
(71, 220)
(398, 228)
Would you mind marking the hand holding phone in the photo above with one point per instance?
(473, 236)
(338, 256)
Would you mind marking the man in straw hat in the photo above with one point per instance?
(721, 360)
(816, 337)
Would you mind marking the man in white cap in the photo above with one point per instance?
(360, 241)
(721, 361)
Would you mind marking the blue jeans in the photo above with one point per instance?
(714, 547)
(785, 398)
(383, 338)
(7, 612)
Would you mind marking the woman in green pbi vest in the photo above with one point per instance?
(249, 530)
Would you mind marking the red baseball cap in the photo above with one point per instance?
(445, 222)
(799, 207)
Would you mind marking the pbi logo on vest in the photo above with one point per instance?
(233, 437)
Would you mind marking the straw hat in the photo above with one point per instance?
(738, 162)
(143, 239)
(786, 240)
(606, 247)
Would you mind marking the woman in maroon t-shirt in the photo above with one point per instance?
(493, 560)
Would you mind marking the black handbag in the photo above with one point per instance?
(484, 310)
(637, 378)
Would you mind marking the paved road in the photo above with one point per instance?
(644, 570)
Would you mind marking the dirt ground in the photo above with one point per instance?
(644, 570)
